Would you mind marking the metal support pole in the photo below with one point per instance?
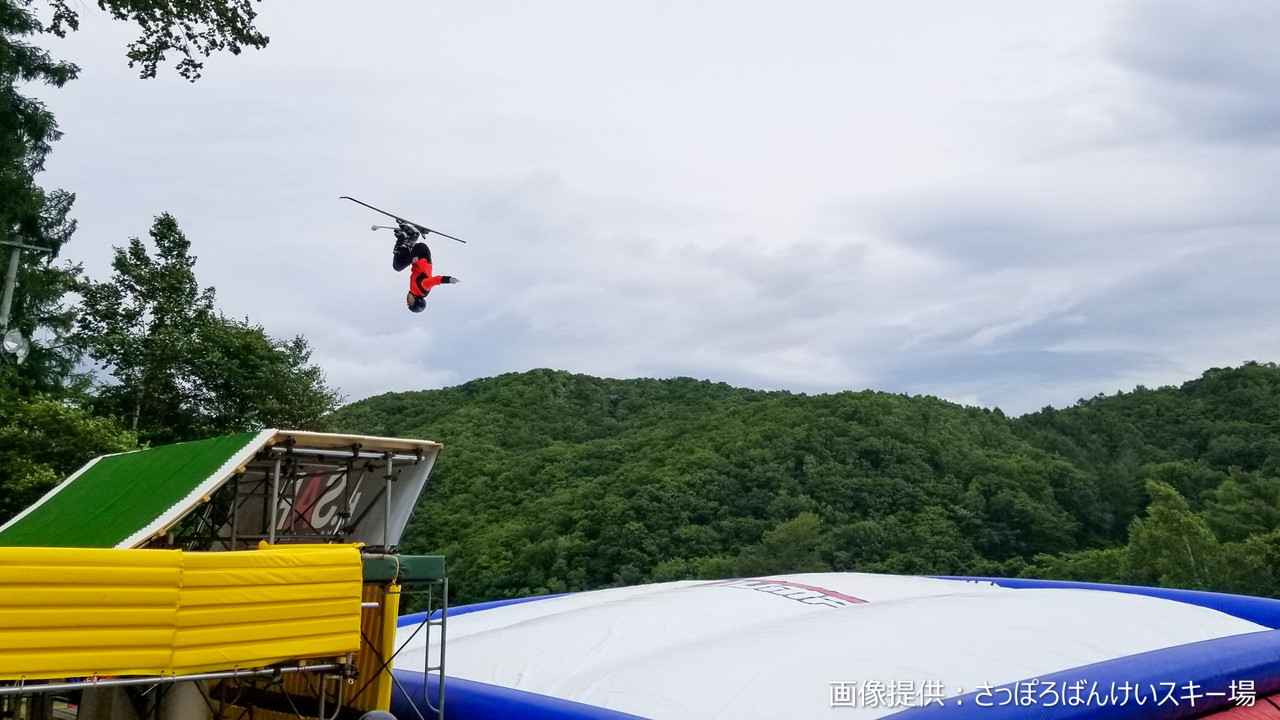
(275, 502)
(235, 510)
(158, 679)
(386, 520)
(344, 522)
(11, 280)
(317, 452)
(444, 619)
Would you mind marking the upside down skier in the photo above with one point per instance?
(410, 253)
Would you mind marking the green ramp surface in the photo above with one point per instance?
(117, 497)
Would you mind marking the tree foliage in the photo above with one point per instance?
(190, 28)
(43, 440)
(143, 326)
(552, 482)
(224, 375)
(179, 369)
(28, 213)
(31, 215)
(1172, 545)
(555, 482)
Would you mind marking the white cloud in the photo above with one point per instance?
(999, 203)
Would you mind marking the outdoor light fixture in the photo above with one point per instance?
(16, 345)
(13, 344)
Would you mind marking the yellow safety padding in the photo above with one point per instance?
(224, 656)
(212, 615)
(53, 625)
(83, 612)
(42, 663)
(136, 638)
(108, 576)
(89, 598)
(88, 558)
(251, 594)
(223, 577)
(106, 617)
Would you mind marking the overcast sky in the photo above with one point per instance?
(1001, 203)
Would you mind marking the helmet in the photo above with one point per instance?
(416, 303)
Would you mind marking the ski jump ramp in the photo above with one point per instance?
(240, 489)
(243, 566)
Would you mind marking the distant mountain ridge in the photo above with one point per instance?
(552, 481)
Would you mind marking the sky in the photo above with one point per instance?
(1000, 203)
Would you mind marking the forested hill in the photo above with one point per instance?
(552, 482)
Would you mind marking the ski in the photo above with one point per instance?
(420, 228)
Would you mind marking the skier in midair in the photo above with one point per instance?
(409, 253)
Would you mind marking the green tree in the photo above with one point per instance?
(42, 441)
(1172, 546)
(40, 313)
(27, 128)
(934, 544)
(1252, 566)
(1110, 565)
(181, 370)
(28, 214)
(189, 28)
(791, 547)
(1246, 504)
(142, 325)
(244, 378)
(31, 215)
(552, 481)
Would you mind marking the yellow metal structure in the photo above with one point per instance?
(387, 644)
(75, 612)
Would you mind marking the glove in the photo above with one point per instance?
(450, 280)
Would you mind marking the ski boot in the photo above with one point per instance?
(404, 243)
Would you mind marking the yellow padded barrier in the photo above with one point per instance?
(78, 612)
(70, 612)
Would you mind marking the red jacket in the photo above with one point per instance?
(420, 278)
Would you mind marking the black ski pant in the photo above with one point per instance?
(404, 257)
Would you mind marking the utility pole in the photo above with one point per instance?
(19, 345)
